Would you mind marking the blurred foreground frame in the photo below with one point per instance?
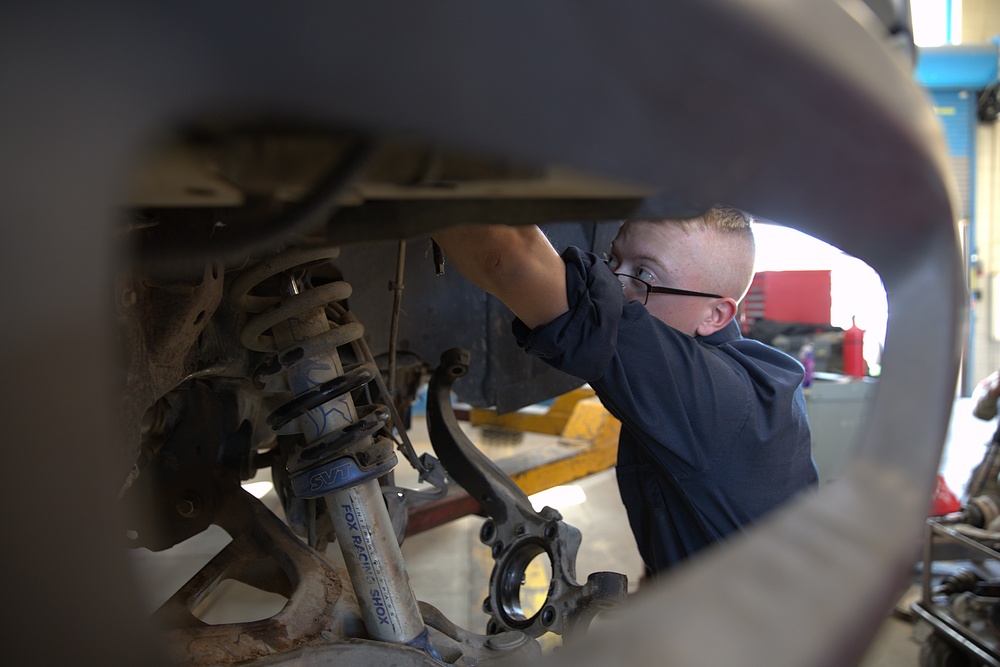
(795, 111)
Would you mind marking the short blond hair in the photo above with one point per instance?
(722, 218)
(737, 248)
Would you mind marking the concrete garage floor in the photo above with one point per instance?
(450, 568)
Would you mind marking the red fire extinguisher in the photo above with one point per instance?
(854, 360)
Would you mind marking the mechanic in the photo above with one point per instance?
(714, 427)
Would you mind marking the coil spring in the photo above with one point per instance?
(338, 435)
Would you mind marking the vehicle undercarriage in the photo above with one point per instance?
(258, 359)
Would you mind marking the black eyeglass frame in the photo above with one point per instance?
(656, 289)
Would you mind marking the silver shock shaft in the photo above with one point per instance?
(368, 542)
(360, 518)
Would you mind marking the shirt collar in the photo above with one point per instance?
(726, 334)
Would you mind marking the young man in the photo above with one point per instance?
(714, 427)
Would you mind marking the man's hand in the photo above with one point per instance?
(517, 265)
(985, 396)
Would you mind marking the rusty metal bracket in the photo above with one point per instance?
(264, 554)
(321, 622)
(515, 532)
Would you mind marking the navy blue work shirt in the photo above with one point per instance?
(714, 428)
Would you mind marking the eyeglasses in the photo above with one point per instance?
(640, 289)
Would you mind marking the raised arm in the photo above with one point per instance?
(517, 265)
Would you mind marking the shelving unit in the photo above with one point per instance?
(972, 638)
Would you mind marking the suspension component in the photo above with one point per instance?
(343, 456)
(514, 531)
(979, 512)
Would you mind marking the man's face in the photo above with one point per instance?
(667, 255)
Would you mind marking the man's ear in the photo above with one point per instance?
(721, 314)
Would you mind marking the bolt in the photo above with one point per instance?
(487, 532)
(128, 297)
(187, 507)
(551, 531)
(548, 615)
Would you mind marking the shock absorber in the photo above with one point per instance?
(343, 456)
